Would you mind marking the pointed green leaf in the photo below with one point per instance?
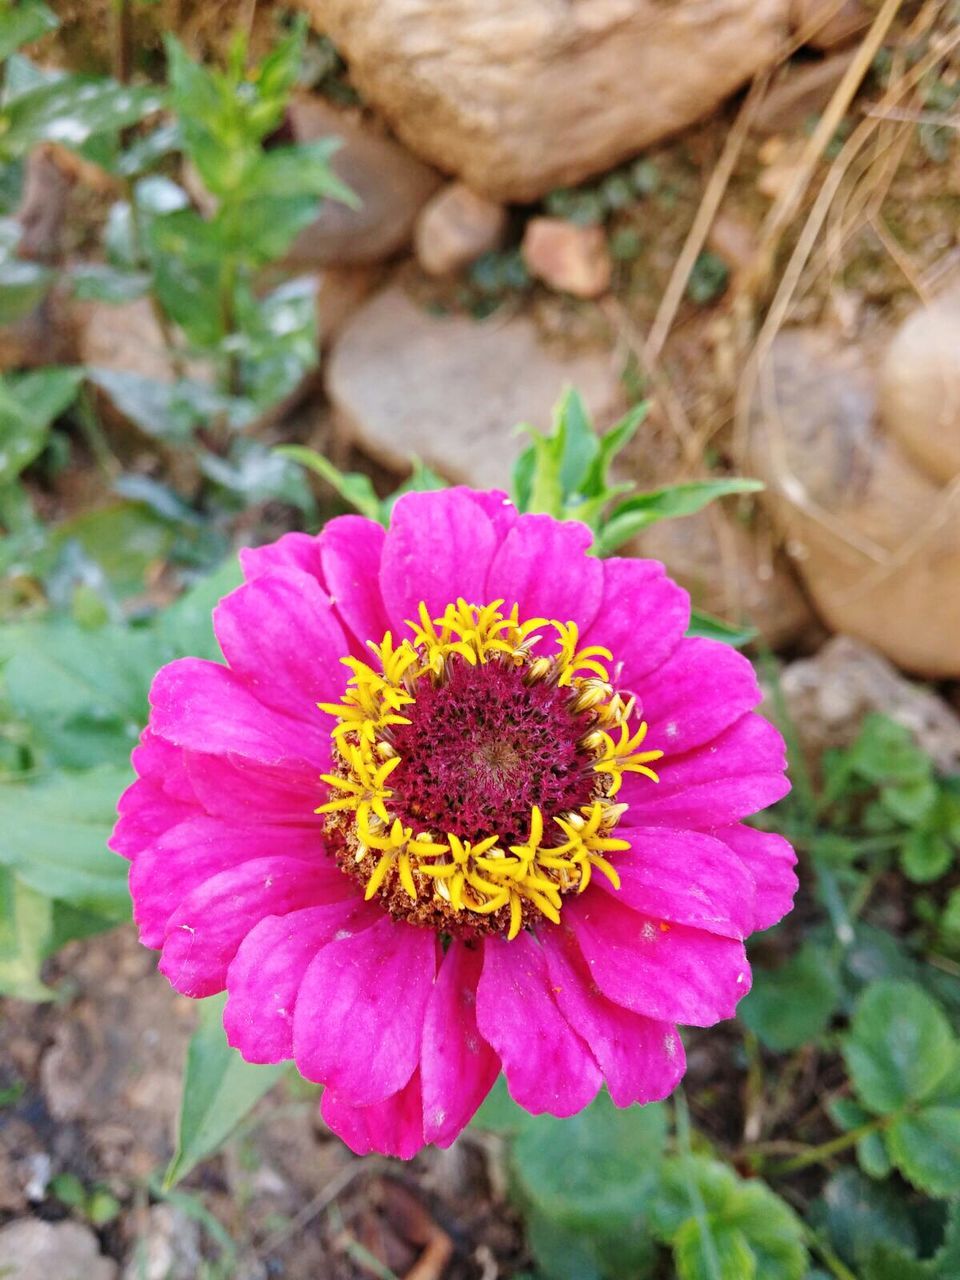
(219, 1091)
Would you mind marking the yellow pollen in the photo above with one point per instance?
(472, 878)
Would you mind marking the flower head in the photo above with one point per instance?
(463, 799)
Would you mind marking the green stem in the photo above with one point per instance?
(708, 1246)
(228, 323)
(141, 261)
(838, 1268)
(825, 1150)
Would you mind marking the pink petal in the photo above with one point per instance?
(146, 814)
(265, 975)
(207, 927)
(438, 548)
(542, 565)
(163, 764)
(642, 617)
(738, 773)
(193, 852)
(667, 972)
(206, 707)
(684, 877)
(292, 551)
(770, 859)
(547, 1066)
(351, 548)
(358, 1024)
(701, 689)
(641, 1060)
(280, 635)
(246, 792)
(495, 504)
(393, 1127)
(457, 1067)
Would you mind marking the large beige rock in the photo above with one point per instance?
(828, 23)
(876, 541)
(391, 185)
(732, 572)
(34, 1250)
(920, 388)
(452, 390)
(518, 98)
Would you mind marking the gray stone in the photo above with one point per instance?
(452, 390)
(517, 99)
(34, 1250)
(391, 185)
(828, 696)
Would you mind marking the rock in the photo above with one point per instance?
(115, 1064)
(566, 257)
(920, 388)
(801, 92)
(455, 227)
(874, 540)
(829, 22)
(34, 1250)
(517, 99)
(391, 185)
(731, 571)
(734, 240)
(828, 696)
(169, 1249)
(452, 390)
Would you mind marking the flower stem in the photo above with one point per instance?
(825, 1150)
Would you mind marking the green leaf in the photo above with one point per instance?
(886, 754)
(735, 1260)
(711, 628)
(594, 1170)
(23, 24)
(53, 834)
(611, 443)
(670, 502)
(856, 1215)
(910, 802)
(926, 855)
(793, 1005)
(219, 1091)
(26, 926)
(353, 486)
(83, 693)
(23, 285)
(731, 1214)
(301, 170)
(925, 1147)
(899, 1048)
(167, 410)
(29, 404)
(125, 540)
(588, 1180)
(71, 109)
(98, 282)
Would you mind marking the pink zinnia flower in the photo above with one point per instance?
(508, 838)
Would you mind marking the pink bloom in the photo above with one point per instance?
(509, 838)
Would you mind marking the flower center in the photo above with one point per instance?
(477, 765)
